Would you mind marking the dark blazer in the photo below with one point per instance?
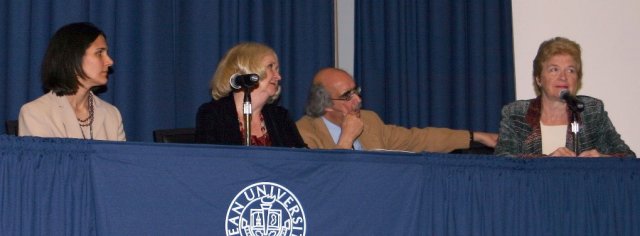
(520, 133)
(217, 123)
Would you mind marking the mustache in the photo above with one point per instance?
(357, 106)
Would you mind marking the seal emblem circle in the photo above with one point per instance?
(265, 208)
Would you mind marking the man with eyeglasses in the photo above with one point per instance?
(334, 120)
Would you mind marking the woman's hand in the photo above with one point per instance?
(562, 152)
(565, 152)
(592, 153)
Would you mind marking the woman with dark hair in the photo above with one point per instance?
(220, 120)
(76, 61)
(542, 126)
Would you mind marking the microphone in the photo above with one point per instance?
(574, 104)
(238, 81)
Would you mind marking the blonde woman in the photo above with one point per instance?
(220, 121)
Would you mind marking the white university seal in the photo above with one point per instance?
(265, 209)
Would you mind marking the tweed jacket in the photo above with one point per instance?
(52, 116)
(377, 135)
(520, 133)
(217, 123)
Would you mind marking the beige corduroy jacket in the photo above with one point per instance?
(377, 136)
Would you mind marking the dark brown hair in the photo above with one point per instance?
(62, 63)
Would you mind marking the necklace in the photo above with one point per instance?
(264, 140)
(88, 122)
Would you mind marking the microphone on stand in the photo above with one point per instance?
(238, 81)
(246, 81)
(576, 107)
(574, 104)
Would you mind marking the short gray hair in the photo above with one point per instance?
(318, 100)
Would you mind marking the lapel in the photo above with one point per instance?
(323, 132)
(533, 141)
(67, 124)
(99, 116)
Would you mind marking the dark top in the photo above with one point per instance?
(520, 133)
(217, 123)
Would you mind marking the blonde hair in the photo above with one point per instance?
(552, 47)
(244, 58)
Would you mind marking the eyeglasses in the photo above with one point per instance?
(348, 95)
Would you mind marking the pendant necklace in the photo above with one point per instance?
(88, 122)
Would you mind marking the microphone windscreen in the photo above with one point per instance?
(564, 93)
(232, 81)
(238, 81)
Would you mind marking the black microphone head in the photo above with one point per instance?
(238, 81)
(573, 102)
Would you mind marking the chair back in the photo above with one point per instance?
(475, 148)
(178, 135)
(11, 127)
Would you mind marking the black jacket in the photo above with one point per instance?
(217, 123)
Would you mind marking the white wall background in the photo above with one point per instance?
(607, 31)
(609, 35)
